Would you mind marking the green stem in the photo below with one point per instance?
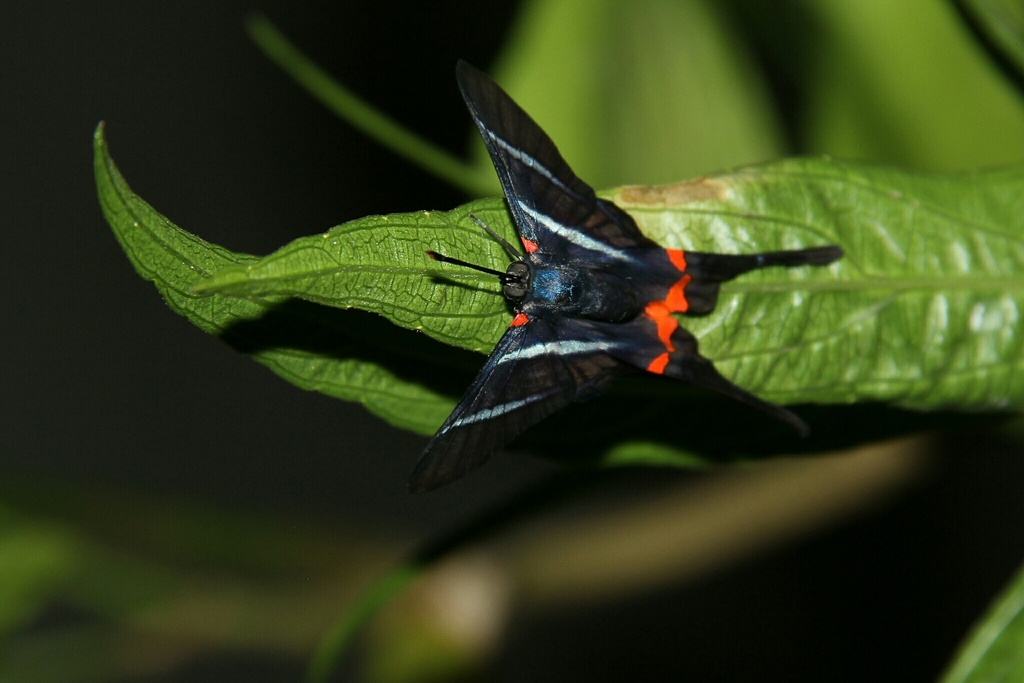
(338, 639)
(360, 114)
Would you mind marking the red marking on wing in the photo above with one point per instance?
(659, 364)
(677, 257)
(660, 312)
(520, 319)
(676, 299)
(662, 317)
(530, 246)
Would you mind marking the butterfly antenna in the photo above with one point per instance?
(515, 253)
(458, 262)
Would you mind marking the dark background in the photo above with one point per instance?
(106, 381)
(102, 382)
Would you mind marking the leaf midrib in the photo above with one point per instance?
(948, 283)
(956, 282)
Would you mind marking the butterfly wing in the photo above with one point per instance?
(672, 352)
(687, 364)
(552, 208)
(534, 370)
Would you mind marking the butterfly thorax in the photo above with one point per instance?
(580, 292)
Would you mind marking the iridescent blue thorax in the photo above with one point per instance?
(554, 286)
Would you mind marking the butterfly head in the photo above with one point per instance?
(516, 281)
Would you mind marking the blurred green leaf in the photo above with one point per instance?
(339, 638)
(636, 86)
(35, 562)
(170, 531)
(152, 582)
(503, 515)
(643, 92)
(905, 83)
(89, 654)
(994, 652)
(999, 26)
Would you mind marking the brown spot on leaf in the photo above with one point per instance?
(699, 190)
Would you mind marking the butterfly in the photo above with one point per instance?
(593, 298)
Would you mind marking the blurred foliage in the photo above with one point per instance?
(644, 92)
(924, 95)
(136, 584)
(993, 652)
(998, 26)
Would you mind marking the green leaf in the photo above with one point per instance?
(995, 650)
(921, 312)
(379, 264)
(312, 347)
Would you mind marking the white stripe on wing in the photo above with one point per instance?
(573, 235)
(499, 410)
(571, 347)
(530, 161)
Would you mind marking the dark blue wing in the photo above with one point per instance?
(551, 206)
(534, 370)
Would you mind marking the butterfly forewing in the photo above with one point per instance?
(551, 207)
(533, 371)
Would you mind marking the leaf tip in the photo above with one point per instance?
(227, 280)
(99, 137)
(203, 288)
(257, 24)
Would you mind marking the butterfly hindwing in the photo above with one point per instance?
(641, 344)
(689, 366)
(535, 369)
(552, 208)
